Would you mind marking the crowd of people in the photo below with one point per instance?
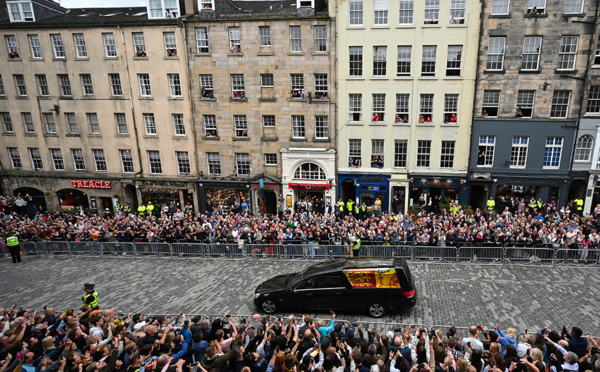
(513, 223)
(94, 340)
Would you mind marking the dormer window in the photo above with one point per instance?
(20, 11)
(305, 3)
(163, 9)
(206, 4)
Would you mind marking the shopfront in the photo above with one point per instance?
(438, 190)
(266, 193)
(553, 190)
(230, 196)
(161, 193)
(365, 188)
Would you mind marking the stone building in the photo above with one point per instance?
(534, 56)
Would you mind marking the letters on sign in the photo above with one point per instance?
(92, 184)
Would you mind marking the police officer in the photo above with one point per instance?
(356, 246)
(490, 205)
(340, 205)
(14, 248)
(150, 208)
(90, 299)
(142, 210)
(126, 209)
(579, 203)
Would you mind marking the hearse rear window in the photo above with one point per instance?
(373, 278)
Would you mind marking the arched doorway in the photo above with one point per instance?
(310, 189)
(38, 200)
(577, 190)
(72, 198)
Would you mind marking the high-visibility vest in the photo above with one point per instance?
(93, 303)
(127, 208)
(118, 206)
(11, 241)
(356, 244)
(356, 209)
(142, 209)
(341, 205)
(150, 208)
(491, 204)
(349, 205)
(579, 204)
(532, 203)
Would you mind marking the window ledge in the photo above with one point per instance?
(296, 99)
(180, 137)
(36, 59)
(457, 25)
(201, 54)
(22, 97)
(121, 135)
(3, 97)
(267, 99)
(402, 124)
(405, 26)
(565, 72)
(81, 59)
(529, 71)
(321, 100)
(265, 54)
(59, 59)
(427, 78)
(425, 125)
(380, 27)
(320, 53)
(451, 125)
(146, 98)
(292, 139)
(136, 58)
(295, 53)
(403, 77)
(117, 97)
(9, 134)
(88, 97)
(43, 97)
(591, 114)
(506, 16)
(379, 78)
(595, 66)
(175, 98)
(485, 166)
(362, 78)
(111, 58)
(235, 54)
(241, 138)
(270, 165)
(150, 136)
(66, 98)
(536, 15)
(321, 139)
(434, 25)
(357, 27)
(207, 99)
(453, 78)
(95, 135)
(171, 58)
(355, 123)
(16, 59)
(269, 139)
(494, 71)
(212, 138)
(577, 15)
(377, 123)
(238, 99)
(73, 135)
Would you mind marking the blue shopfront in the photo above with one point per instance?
(365, 188)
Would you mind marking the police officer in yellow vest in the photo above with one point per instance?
(532, 203)
(142, 209)
(14, 248)
(150, 208)
(350, 206)
(356, 247)
(363, 211)
(340, 205)
(579, 203)
(491, 204)
(90, 299)
(126, 209)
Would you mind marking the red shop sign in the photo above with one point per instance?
(310, 186)
(92, 184)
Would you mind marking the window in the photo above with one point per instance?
(451, 108)
(155, 163)
(163, 9)
(381, 12)
(560, 104)
(378, 107)
(525, 100)
(535, 7)
(518, 153)
(297, 85)
(139, 44)
(201, 40)
(309, 171)
(400, 153)
(7, 122)
(13, 48)
(354, 153)
(568, 52)
(491, 102)
(583, 148)
(150, 124)
(296, 38)
(406, 12)
(495, 55)
(402, 108)
(237, 86)
(2, 90)
(487, 147)
(240, 125)
(15, 158)
(20, 11)
(170, 44)
(178, 125)
(593, 100)
(207, 4)
(404, 57)
(266, 80)
(145, 89)
(78, 161)
(214, 163)
(71, 119)
(110, 48)
(57, 45)
(457, 11)
(265, 35)
(234, 40)
(531, 52)
(423, 154)
(426, 108)
(28, 122)
(432, 12)
(597, 55)
(379, 60)
(36, 159)
(34, 44)
(93, 123)
(270, 159)
(206, 85)
(57, 160)
(552, 152)
(321, 127)
(428, 63)
(320, 38)
(377, 153)
(356, 61)
(573, 6)
(500, 7)
(355, 107)
(321, 87)
(447, 154)
(454, 60)
(20, 85)
(65, 85)
(174, 85)
(126, 161)
(42, 83)
(183, 162)
(115, 85)
(242, 164)
(86, 83)
(298, 126)
(121, 121)
(268, 120)
(210, 125)
(356, 12)
(80, 47)
(99, 160)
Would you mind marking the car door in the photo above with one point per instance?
(303, 295)
(332, 291)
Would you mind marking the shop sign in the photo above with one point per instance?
(310, 186)
(435, 182)
(222, 185)
(373, 178)
(164, 184)
(531, 182)
(92, 184)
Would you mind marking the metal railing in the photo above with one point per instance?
(314, 250)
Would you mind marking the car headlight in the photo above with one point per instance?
(257, 295)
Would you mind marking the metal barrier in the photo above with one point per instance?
(480, 254)
(53, 248)
(118, 248)
(85, 248)
(31, 249)
(530, 255)
(190, 249)
(152, 249)
(578, 256)
(461, 332)
(432, 253)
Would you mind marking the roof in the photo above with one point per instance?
(352, 263)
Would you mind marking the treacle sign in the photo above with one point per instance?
(92, 184)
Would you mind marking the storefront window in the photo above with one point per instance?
(231, 200)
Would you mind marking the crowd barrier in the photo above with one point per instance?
(314, 250)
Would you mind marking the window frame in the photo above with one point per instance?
(519, 152)
(297, 86)
(402, 108)
(42, 83)
(15, 158)
(487, 104)
(7, 123)
(78, 160)
(379, 61)
(320, 32)
(163, 10)
(139, 44)
(525, 105)
(110, 46)
(404, 61)
(428, 61)
(149, 124)
(184, 167)
(354, 109)
(58, 162)
(267, 122)
(154, 162)
(58, 46)
(242, 160)
(378, 107)
(534, 4)
(116, 89)
(36, 50)
(584, 147)
(298, 127)
(554, 147)
(28, 124)
(321, 127)
(454, 66)
(80, 47)
(72, 125)
(93, 123)
(592, 107)
(267, 81)
(406, 12)
(356, 61)
(400, 153)
(569, 5)
(206, 86)
(559, 105)
(209, 123)
(240, 126)
(235, 42)
(487, 144)
(213, 162)
(202, 46)
(377, 153)
(494, 55)
(426, 102)
(356, 13)
(99, 160)
(87, 85)
(527, 64)
(64, 84)
(269, 160)
(447, 153)
(121, 124)
(127, 165)
(423, 154)
(321, 86)
(22, 12)
(144, 84)
(238, 86)
(175, 90)
(295, 39)
(36, 157)
(451, 105)
(178, 125)
(381, 12)
(458, 9)
(432, 8)
(264, 33)
(20, 85)
(170, 40)
(355, 152)
(500, 5)
(567, 53)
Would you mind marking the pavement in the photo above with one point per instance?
(526, 297)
